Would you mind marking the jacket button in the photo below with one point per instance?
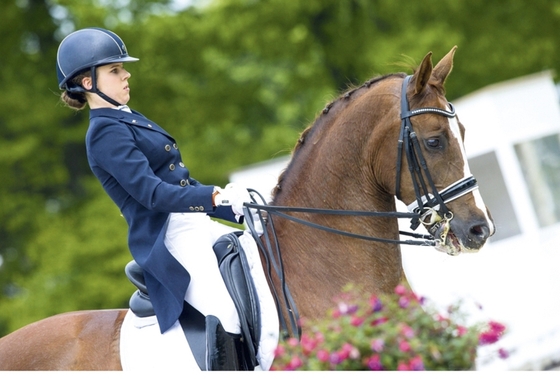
(175, 146)
(149, 125)
(134, 121)
(191, 208)
(172, 167)
(201, 208)
(181, 164)
(183, 182)
(167, 148)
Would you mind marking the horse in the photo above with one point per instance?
(360, 153)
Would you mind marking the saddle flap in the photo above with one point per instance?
(236, 273)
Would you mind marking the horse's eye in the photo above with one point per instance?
(433, 143)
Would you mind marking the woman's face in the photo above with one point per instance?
(112, 80)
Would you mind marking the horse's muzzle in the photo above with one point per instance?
(466, 236)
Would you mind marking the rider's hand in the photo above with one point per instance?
(233, 195)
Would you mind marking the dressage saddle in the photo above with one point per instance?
(213, 348)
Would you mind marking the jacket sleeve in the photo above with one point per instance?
(113, 149)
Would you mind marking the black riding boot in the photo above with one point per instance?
(224, 351)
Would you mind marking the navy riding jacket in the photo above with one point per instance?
(140, 167)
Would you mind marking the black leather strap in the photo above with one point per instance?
(194, 326)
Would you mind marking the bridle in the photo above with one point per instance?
(427, 204)
(429, 208)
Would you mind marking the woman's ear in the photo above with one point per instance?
(87, 83)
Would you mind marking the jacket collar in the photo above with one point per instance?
(133, 118)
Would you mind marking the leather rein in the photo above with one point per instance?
(432, 205)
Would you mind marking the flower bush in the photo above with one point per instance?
(399, 331)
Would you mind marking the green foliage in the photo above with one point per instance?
(398, 331)
(235, 81)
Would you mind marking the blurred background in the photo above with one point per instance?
(236, 81)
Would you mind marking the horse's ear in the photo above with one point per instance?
(422, 75)
(443, 68)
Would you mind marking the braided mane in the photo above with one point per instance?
(330, 109)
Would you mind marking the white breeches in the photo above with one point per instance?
(189, 238)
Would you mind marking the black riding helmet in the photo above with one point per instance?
(87, 49)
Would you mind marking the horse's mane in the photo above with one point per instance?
(331, 109)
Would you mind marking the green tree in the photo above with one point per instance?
(235, 81)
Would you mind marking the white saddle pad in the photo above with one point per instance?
(144, 348)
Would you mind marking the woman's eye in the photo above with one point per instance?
(433, 143)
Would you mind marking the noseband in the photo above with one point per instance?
(426, 204)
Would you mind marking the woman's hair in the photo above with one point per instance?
(76, 100)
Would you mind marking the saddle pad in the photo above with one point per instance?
(144, 348)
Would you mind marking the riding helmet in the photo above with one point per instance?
(86, 49)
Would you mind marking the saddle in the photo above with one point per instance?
(214, 348)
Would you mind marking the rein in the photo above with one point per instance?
(430, 205)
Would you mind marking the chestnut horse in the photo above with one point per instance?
(361, 152)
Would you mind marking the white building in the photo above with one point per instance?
(513, 144)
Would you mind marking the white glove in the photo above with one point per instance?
(233, 195)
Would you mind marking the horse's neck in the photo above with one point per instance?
(331, 169)
(319, 263)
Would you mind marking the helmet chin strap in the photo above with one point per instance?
(94, 89)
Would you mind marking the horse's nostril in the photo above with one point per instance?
(480, 232)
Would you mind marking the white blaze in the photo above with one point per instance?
(456, 131)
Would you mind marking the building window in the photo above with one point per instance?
(492, 186)
(540, 162)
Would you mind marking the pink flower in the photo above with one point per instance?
(293, 342)
(492, 335)
(407, 331)
(404, 302)
(356, 321)
(416, 364)
(374, 363)
(377, 345)
(400, 290)
(349, 351)
(335, 358)
(461, 330)
(294, 364)
(323, 355)
(404, 346)
(496, 327)
(379, 321)
(307, 344)
(488, 338)
(343, 353)
(279, 351)
(403, 367)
